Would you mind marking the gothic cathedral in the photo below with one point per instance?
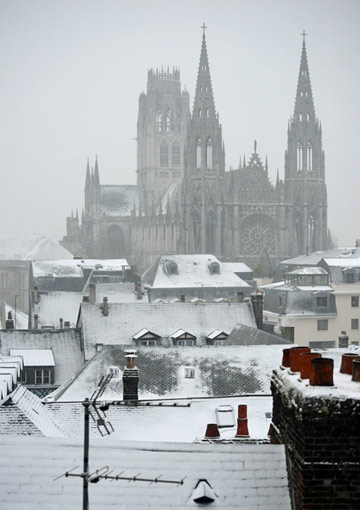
(185, 201)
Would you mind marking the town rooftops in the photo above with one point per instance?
(254, 475)
(35, 357)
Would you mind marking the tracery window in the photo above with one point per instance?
(209, 162)
(299, 157)
(158, 122)
(198, 153)
(164, 154)
(257, 235)
(309, 156)
(175, 153)
(169, 121)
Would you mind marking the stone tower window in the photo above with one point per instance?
(209, 163)
(207, 112)
(164, 154)
(169, 121)
(300, 117)
(299, 157)
(308, 117)
(175, 154)
(198, 153)
(199, 113)
(309, 155)
(158, 122)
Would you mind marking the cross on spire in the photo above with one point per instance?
(204, 27)
(304, 34)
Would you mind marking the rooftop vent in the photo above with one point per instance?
(214, 267)
(203, 493)
(170, 267)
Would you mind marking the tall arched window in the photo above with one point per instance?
(175, 154)
(299, 157)
(209, 163)
(198, 153)
(300, 117)
(164, 154)
(169, 120)
(158, 122)
(309, 157)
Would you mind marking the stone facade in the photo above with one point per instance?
(185, 201)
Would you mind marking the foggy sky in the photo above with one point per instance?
(72, 71)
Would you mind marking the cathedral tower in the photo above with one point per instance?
(205, 167)
(305, 187)
(161, 132)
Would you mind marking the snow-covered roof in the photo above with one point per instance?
(118, 293)
(21, 319)
(55, 305)
(64, 343)
(124, 320)
(31, 247)
(254, 475)
(24, 414)
(216, 333)
(237, 267)
(343, 262)
(141, 333)
(308, 271)
(314, 258)
(35, 357)
(118, 200)
(192, 271)
(74, 268)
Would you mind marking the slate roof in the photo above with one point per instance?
(55, 305)
(225, 370)
(193, 271)
(31, 247)
(125, 320)
(254, 476)
(22, 413)
(64, 343)
(118, 200)
(243, 335)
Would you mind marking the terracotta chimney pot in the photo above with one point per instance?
(212, 431)
(321, 372)
(356, 370)
(305, 362)
(347, 362)
(286, 357)
(242, 422)
(294, 356)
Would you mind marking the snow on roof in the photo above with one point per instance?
(64, 343)
(118, 293)
(35, 357)
(74, 268)
(118, 200)
(308, 270)
(237, 267)
(253, 474)
(31, 247)
(55, 305)
(243, 335)
(25, 414)
(141, 333)
(343, 262)
(216, 333)
(314, 258)
(193, 271)
(103, 264)
(125, 319)
(21, 319)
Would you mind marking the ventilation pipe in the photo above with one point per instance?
(9, 321)
(36, 321)
(92, 293)
(130, 376)
(105, 307)
(61, 323)
(356, 370)
(257, 303)
(36, 295)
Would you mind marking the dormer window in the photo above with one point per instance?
(321, 301)
(214, 268)
(183, 338)
(217, 338)
(171, 267)
(146, 338)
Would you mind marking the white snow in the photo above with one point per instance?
(35, 357)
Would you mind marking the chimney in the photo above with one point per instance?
(9, 322)
(212, 431)
(36, 295)
(257, 303)
(138, 291)
(67, 324)
(294, 357)
(347, 362)
(305, 363)
(86, 299)
(240, 297)
(61, 324)
(130, 376)
(36, 321)
(321, 372)
(242, 422)
(356, 370)
(343, 340)
(182, 298)
(105, 307)
(92, 293)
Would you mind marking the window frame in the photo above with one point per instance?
(321, 323)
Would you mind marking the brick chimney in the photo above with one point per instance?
(9, 321)
(36, 321)
(61, 323)
(36, 295)
(258, 305)
(343, 340)
(130, 376)
(105, 306)
(92, 293)
(320, 426)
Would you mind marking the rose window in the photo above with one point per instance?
(257, 235)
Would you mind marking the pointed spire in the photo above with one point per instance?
(277, 178)
(266, 165)
(204, 105)
(96, 172)
(240, 163)
(304, 105)
(255, 147)
(244, 165)
(87, 178)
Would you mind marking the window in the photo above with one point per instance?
(349, 277)
(169, 118)
(198, 153)
(354, 323)
(322, 325)
(300, 117)
(355, 301)
(164, 154)
(209, 163)
(158, 122)
(299, 157)
(175, 154)
(189, 372)
(199, 113)
(207, 112)
(42, 376)
(148, 343)
(219, 342)
(185, 342)
(280, 301)
(23, 377)
(309, 154)
(321, 301)
(4, 279)
(307, 117)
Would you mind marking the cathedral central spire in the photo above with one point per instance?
(204, 105)
(304, 103)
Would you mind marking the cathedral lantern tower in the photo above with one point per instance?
(161, 132)
(305, 188)
(205, 166)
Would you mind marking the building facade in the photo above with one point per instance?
(185, 201)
